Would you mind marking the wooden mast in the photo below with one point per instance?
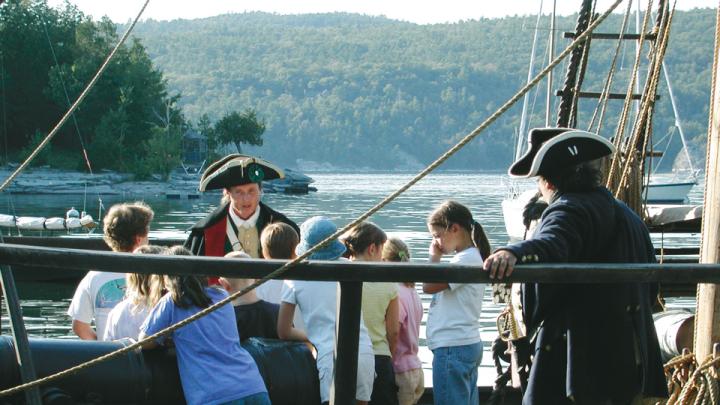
(707, 323)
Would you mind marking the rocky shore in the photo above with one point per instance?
(45, 180)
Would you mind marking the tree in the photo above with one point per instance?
(163, 149)
(238, 128)
(205, 127)
(48, 55)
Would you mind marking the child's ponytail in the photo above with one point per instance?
(480, 239)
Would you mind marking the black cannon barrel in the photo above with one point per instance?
(151, 376)
(124, 379)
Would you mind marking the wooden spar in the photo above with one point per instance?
(347, 343)
(99, 244)
(94, 243)
(707, 320)
(19, 334)
(352, 271)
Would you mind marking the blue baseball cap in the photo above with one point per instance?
(315, 230)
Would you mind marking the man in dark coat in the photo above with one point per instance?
(237, 223)
(593, 343)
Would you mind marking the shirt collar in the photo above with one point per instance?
(246, 223)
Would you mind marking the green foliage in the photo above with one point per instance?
(110, 134)
(162, 151)
(118, 116)
(43, 157)
(356, 91)
(350, 90)
(239, 128)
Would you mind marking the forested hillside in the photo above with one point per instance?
(358, 91)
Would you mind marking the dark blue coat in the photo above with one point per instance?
(594, 341)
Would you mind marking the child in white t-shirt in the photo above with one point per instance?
(142, 292)
(126, 227)
(317, 301)
(453, 326)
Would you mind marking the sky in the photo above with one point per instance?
(417, 11)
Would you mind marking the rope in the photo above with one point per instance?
(620, 130)
(566, 99)
(75, 105)
(699, 384)
(572, 122)
(275, 274)
(602, 103)
(65, 92)
(642, 124)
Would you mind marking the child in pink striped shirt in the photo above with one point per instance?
(406, 363)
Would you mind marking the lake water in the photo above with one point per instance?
(341, 197)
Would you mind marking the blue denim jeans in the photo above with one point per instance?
(260, 398)
(455, 374)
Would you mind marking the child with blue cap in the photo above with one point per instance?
(317, 301)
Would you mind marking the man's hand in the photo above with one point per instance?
(500, 264)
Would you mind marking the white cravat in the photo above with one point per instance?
(245, 223)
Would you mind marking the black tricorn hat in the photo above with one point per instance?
(236, 169)
(557, 148)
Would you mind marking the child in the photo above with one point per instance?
(318, 300)
(213, 367)
(406, 363)
(126, 227)
(254, 317)
(453, 326)
(379, 310)
(277, 241)
(142, 292)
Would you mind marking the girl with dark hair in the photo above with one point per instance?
(380, 310)
(213, 367)
(453, 325)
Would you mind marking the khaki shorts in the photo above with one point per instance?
(411, 385)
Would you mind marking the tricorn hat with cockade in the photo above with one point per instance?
(236, 169)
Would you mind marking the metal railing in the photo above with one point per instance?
(351, 276)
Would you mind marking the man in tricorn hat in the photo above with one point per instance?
(237, 223)
(594, 343)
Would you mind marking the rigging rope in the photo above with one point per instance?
(620, 130)
(566, 99)
(77, 102)
(276, 273)
(65, 92)
(643, 124)
(4, 109)
(604, 97)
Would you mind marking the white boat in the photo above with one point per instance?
(512, 213)
(669, 193)
(72, 221)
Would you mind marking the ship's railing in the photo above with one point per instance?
(350, 276)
